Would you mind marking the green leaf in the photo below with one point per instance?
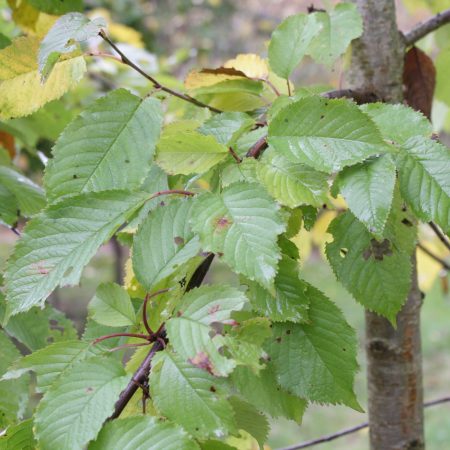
(424, 167)
(291, 184)
(38, 327)
(51, 362)
(227, 127)
(194, 390)
(73, 410)
(338, 28)
(290, 42)
(368, 189)
(187, 152)
(19, 436)
(249, 419)
(376, 272)
(292, 295)
(316, 361)
(398, 123)
(108, 146)
(325, 134)
(164, 242)
(143, 433)
(111, 305)
(21, 91)
(58, 243)
(189, 330)
(242, 223)
(57, 7)
(64, 37)
(8, 207)
(264, 392)
(13, 394)
(30, 197)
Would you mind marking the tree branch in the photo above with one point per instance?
(442, 237)
(427, 27)
(141, 375)
(125, 60)
(443, 263)
(345, 432)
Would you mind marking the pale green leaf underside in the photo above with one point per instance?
(187, 152)
(110, 145)
(338, 28)
(111, 305)
(143, 433)
(424, 168)
(368, 189)
(292, 295)
(50, 362)
(325, 134)
(29, 196)
(398, 122)
(290, 42)
(72, 412)
(193, 390)
(164, 242)
(291, 184)
(63, 37)
(317, 361)
(376, 273)
(189, 331)
(242, 223)
(57, 244)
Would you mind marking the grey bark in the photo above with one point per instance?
(394, 355)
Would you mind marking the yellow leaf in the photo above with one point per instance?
(209, 77)
(30, 19)
(428, 268)
(304, 244)
(252, 65)
(132, 285)
(21, 91)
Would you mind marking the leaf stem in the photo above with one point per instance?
(113, 335)
(144, 309)
(125, 60)
(234, 155)
(170, 192)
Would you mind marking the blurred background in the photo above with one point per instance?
(170, 37)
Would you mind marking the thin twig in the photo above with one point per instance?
(345, 432)
(443, 263)
(270, 84)
(442, 237)
(427, 27)
(234, 155)
(125, 60)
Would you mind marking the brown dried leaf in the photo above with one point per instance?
(419, 79)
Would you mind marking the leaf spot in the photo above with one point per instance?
(202, 361)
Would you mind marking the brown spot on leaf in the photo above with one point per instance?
(213, 309)
(378, 249)
(178, 240)
(89, 390)
(406, 222)
(212, 389)
(222, 223)
(202, 361)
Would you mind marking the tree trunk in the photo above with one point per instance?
(393, 355)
